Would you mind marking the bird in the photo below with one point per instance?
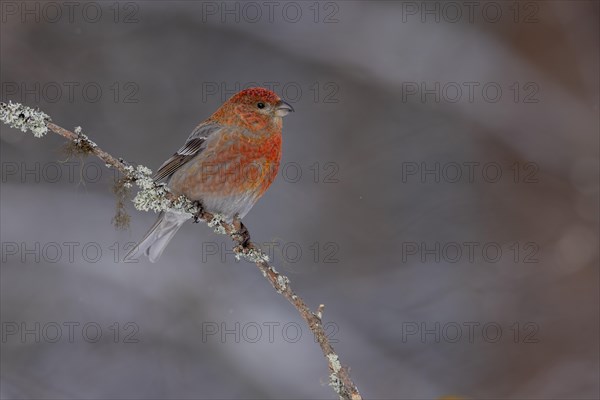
(226, 164)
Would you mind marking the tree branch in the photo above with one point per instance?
(157, 197)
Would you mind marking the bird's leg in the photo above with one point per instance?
(241, 231)
(196, 217)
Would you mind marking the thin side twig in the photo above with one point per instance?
(157, 197)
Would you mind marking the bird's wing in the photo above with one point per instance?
(195, 143)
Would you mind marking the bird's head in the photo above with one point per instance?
(254, 108)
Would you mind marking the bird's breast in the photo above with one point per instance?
(259, 160)
(235, 164)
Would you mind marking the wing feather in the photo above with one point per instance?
(195, 143)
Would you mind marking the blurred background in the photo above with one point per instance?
(438, 192)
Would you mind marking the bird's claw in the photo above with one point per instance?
(241, 231)
(196, 217)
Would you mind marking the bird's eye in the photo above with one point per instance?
(260, 105)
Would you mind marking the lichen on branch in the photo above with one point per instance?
(24, 118)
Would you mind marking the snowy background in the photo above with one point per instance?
(438, 193)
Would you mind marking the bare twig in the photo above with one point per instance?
(157, 197)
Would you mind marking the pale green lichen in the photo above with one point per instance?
(336, 383)
(334, 362)
(184, 205)
(216, 224)
(25, 118)
(81, 146)
(283, 282)
(334, 380)
(256, 256)
(319, 313)
(238, 250)
(151, 198)
(83, 140)
(154, 196)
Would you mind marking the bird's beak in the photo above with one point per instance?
(283, 108)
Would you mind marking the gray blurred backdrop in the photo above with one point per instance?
(438, 193)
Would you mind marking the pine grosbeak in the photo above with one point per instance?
(226, 164)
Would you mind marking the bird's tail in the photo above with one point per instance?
(159, 236)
